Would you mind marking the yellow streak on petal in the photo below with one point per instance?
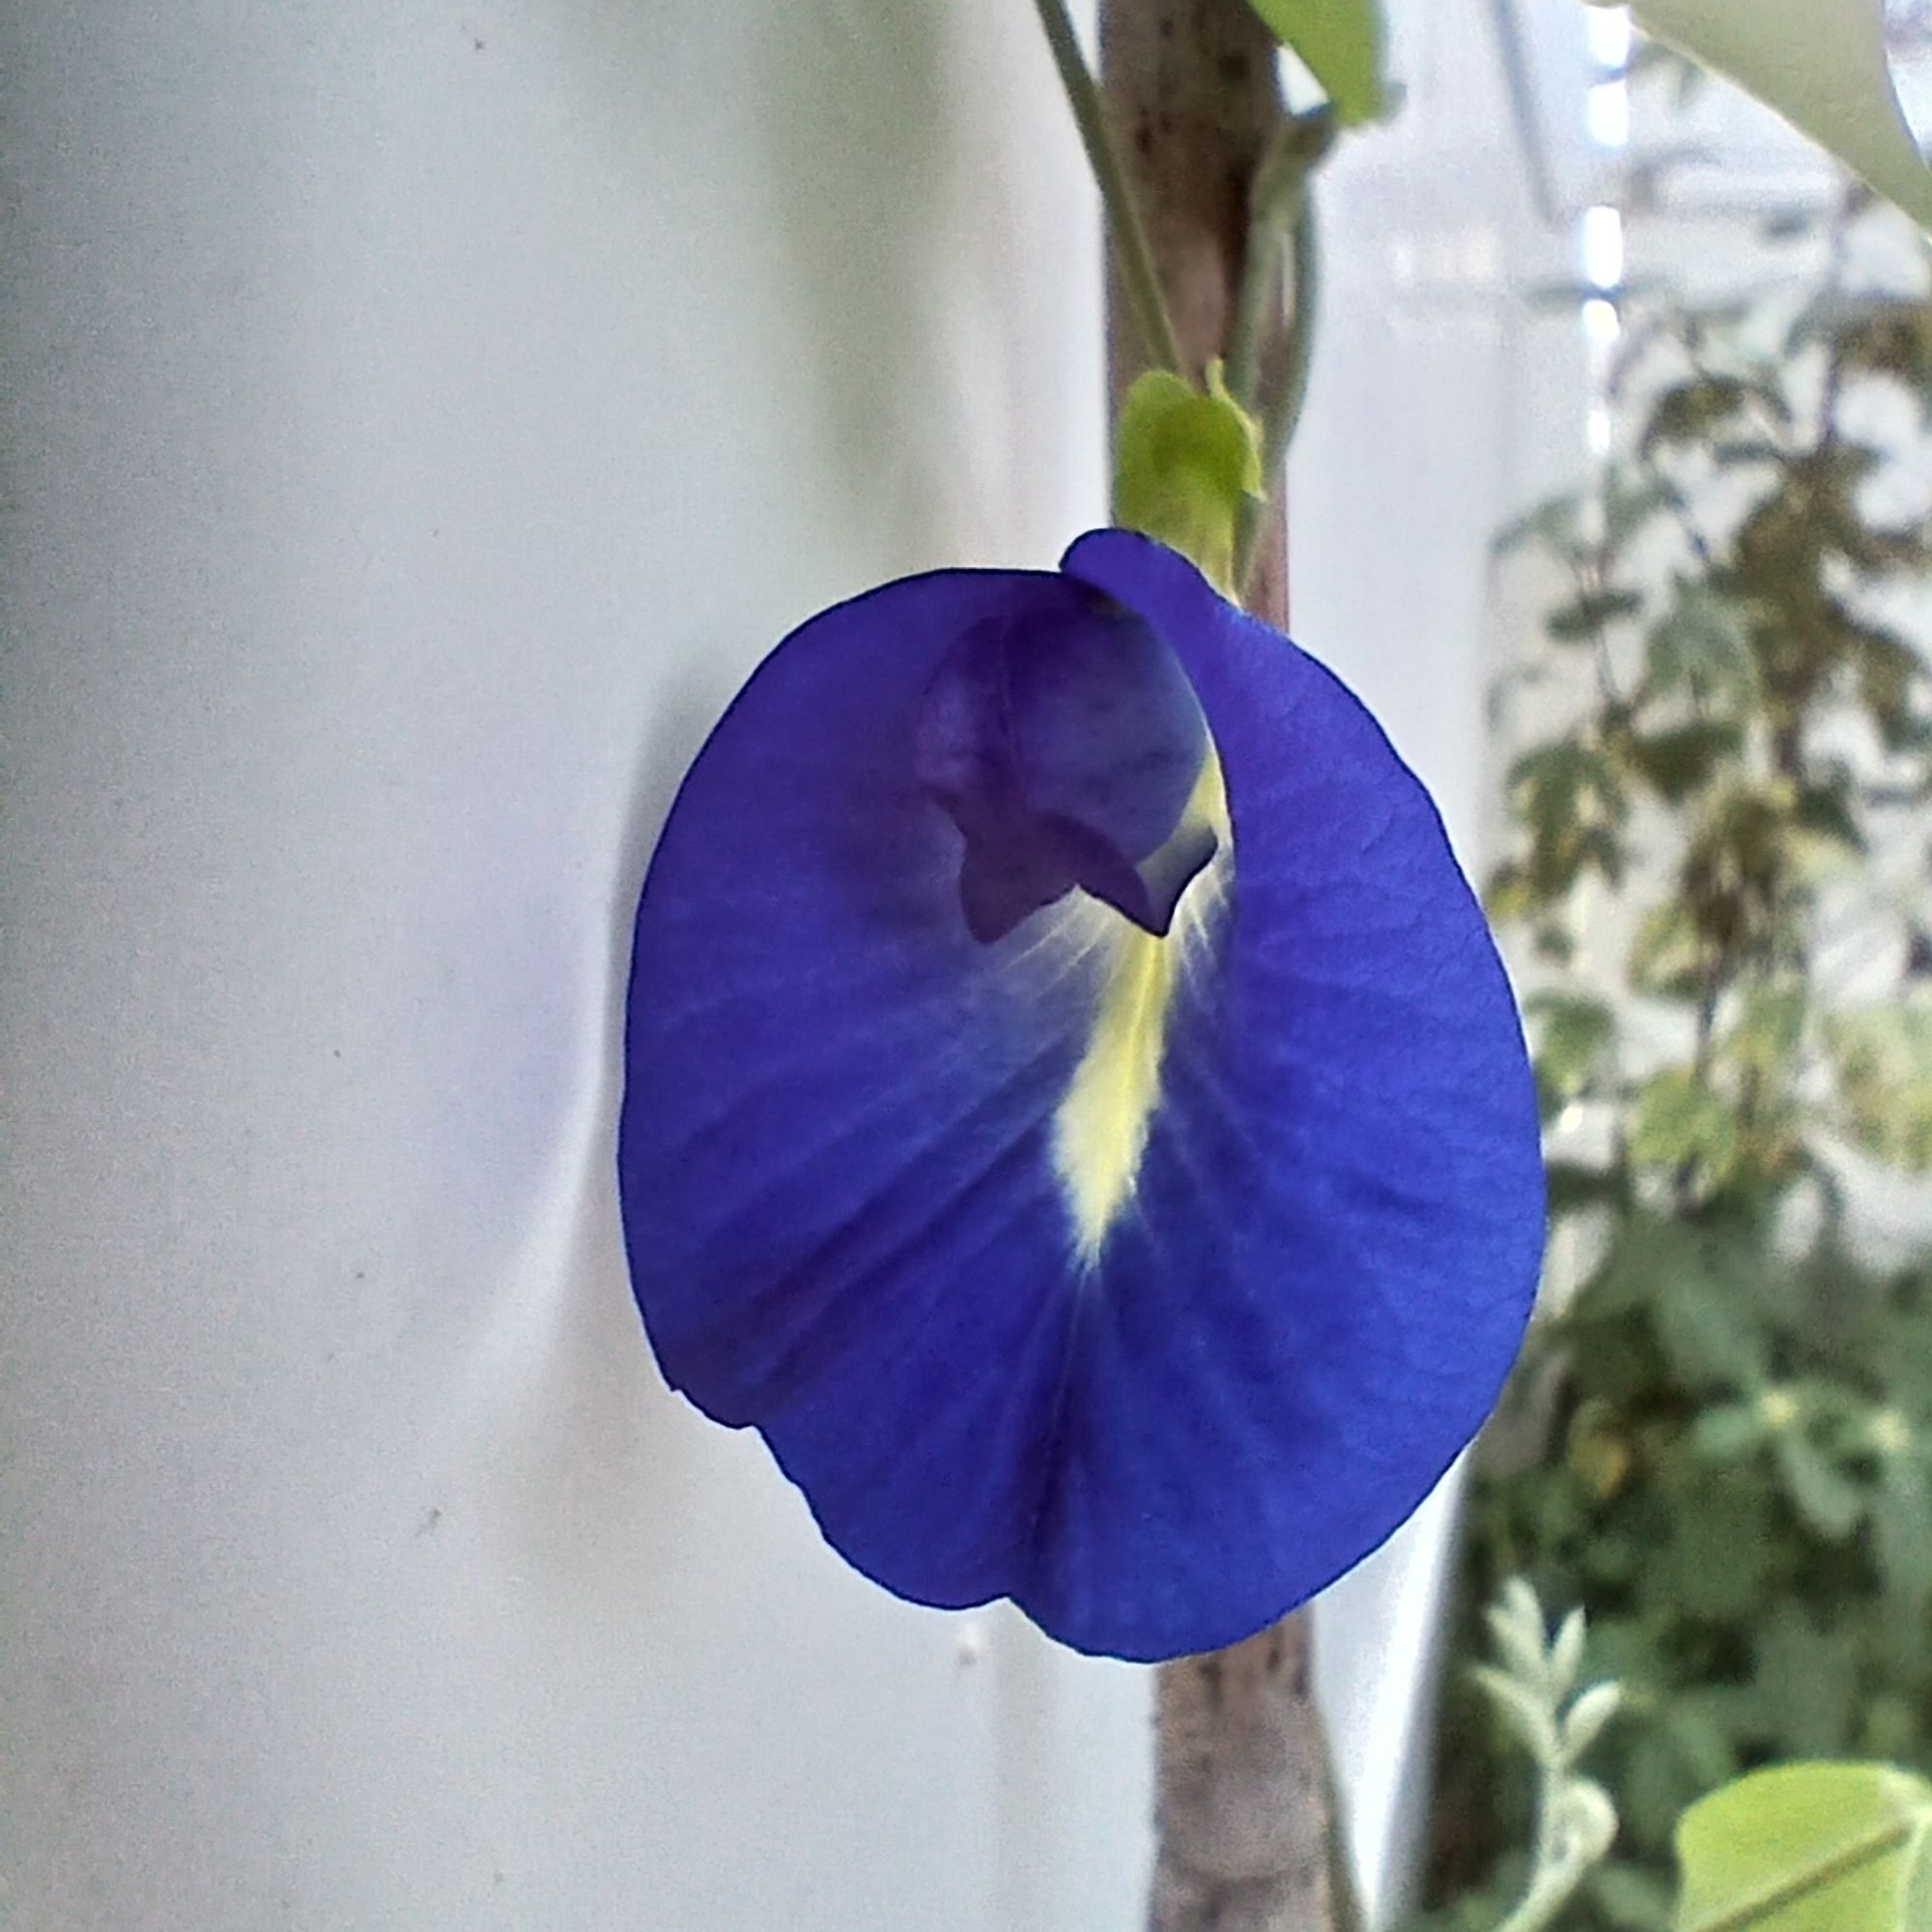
(1100, 1128)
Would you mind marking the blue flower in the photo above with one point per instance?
(1074, 1109)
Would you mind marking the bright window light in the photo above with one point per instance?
(1609, 32)
(1601, 324)
(1607, 113)
(1603, 247)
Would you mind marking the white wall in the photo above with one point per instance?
(419, 418)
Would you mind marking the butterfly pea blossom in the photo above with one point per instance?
(1074, 1109)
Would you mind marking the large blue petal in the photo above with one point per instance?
(861, 1211)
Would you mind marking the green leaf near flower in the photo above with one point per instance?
(1340, 43)
(1810, 1848)
(1185, 460)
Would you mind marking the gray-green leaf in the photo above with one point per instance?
(1822, 65)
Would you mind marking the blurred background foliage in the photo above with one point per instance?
(1716, 895)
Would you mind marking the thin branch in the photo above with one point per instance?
(1280, 407)
(1274, 201)
(1159, 340)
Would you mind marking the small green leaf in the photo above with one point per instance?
(1666, 957)
(1768, 1030)
(1830, 1502)
(1870, 332)
(1185, 460)
(1680, 1119)
(1515, 1624)
(1586, 616)
(1586, 1819)
(1629, 504)
(1700, 643)
(1646, 1261)
(1729, 1430)
(1527, 1713)
(1566, 1653)
(1573, 1037)
(1510, 897)
(1823, 68)
(1691, 412)
(1888, 671)
(1340, 43)
(1808, 1848)
(1708, 1334)
(1584, 1720)
(1574, 1186)
(1562, 786)
(1676, 760)
(1884, 1057)
(1824, 814)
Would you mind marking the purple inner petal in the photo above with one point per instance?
(1064, 741)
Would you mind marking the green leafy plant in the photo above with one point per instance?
(1821, 1847)
(1721, 1436)
(1532, 1687)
